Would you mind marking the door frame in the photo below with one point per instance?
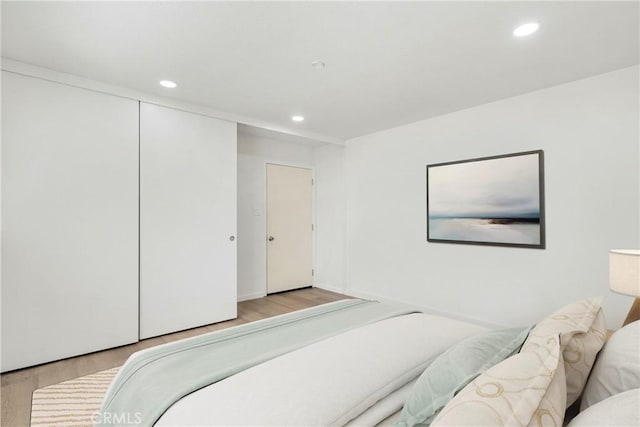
(313, 217)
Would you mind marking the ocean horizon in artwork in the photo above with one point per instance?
(488, 201)
(496, 230)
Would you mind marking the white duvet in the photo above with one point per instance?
(327, 383)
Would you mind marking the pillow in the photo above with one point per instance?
(619, 410)
(527, 389)
(454, 369)
(617, 368)
(582, 332)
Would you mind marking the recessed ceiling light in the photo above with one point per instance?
(168, 83)
(526, 29)
(297, 118)
(318, 65)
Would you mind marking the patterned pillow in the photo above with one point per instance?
(582, 332)
(527, 389)
(454, 369)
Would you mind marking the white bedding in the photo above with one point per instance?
(327, 383)
(384, 408)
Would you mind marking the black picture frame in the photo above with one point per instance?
(492, 201)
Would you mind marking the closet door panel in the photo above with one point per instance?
(187, 216)
(69, 221)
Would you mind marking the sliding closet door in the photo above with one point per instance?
(69, 221)
(187, 220)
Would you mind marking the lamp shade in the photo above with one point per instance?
(624, 271)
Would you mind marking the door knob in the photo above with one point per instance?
(271, 238)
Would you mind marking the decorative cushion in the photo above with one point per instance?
(527, 389)
(582, 332)
(617, 368)
(454, 369)
(619, 410)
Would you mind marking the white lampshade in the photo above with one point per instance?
(624, 271)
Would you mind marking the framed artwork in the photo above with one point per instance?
(496, 200)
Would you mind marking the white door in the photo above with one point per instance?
(289, 228)
(187, 220)
(69, 221)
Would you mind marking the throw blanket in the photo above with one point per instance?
(154, 379)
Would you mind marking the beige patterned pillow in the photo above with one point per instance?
(527, 389)
(582, 330)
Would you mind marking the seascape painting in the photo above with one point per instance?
(489, 201)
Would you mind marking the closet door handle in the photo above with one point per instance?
(271, 238)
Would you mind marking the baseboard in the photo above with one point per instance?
(357, 293)
(254, 295)
(330, 287)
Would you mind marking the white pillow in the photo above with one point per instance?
(617, 368)
(619, 410)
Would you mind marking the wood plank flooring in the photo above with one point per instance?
(17, 386)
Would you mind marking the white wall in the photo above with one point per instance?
(253, 152)
(589, 132)
(330, 217)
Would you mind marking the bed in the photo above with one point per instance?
(363, 363)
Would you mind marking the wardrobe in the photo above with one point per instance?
(118, 220)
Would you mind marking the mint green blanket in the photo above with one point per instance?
(154, 379)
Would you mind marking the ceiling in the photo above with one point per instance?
(387, 63)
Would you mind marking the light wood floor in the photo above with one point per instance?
(17, 386)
